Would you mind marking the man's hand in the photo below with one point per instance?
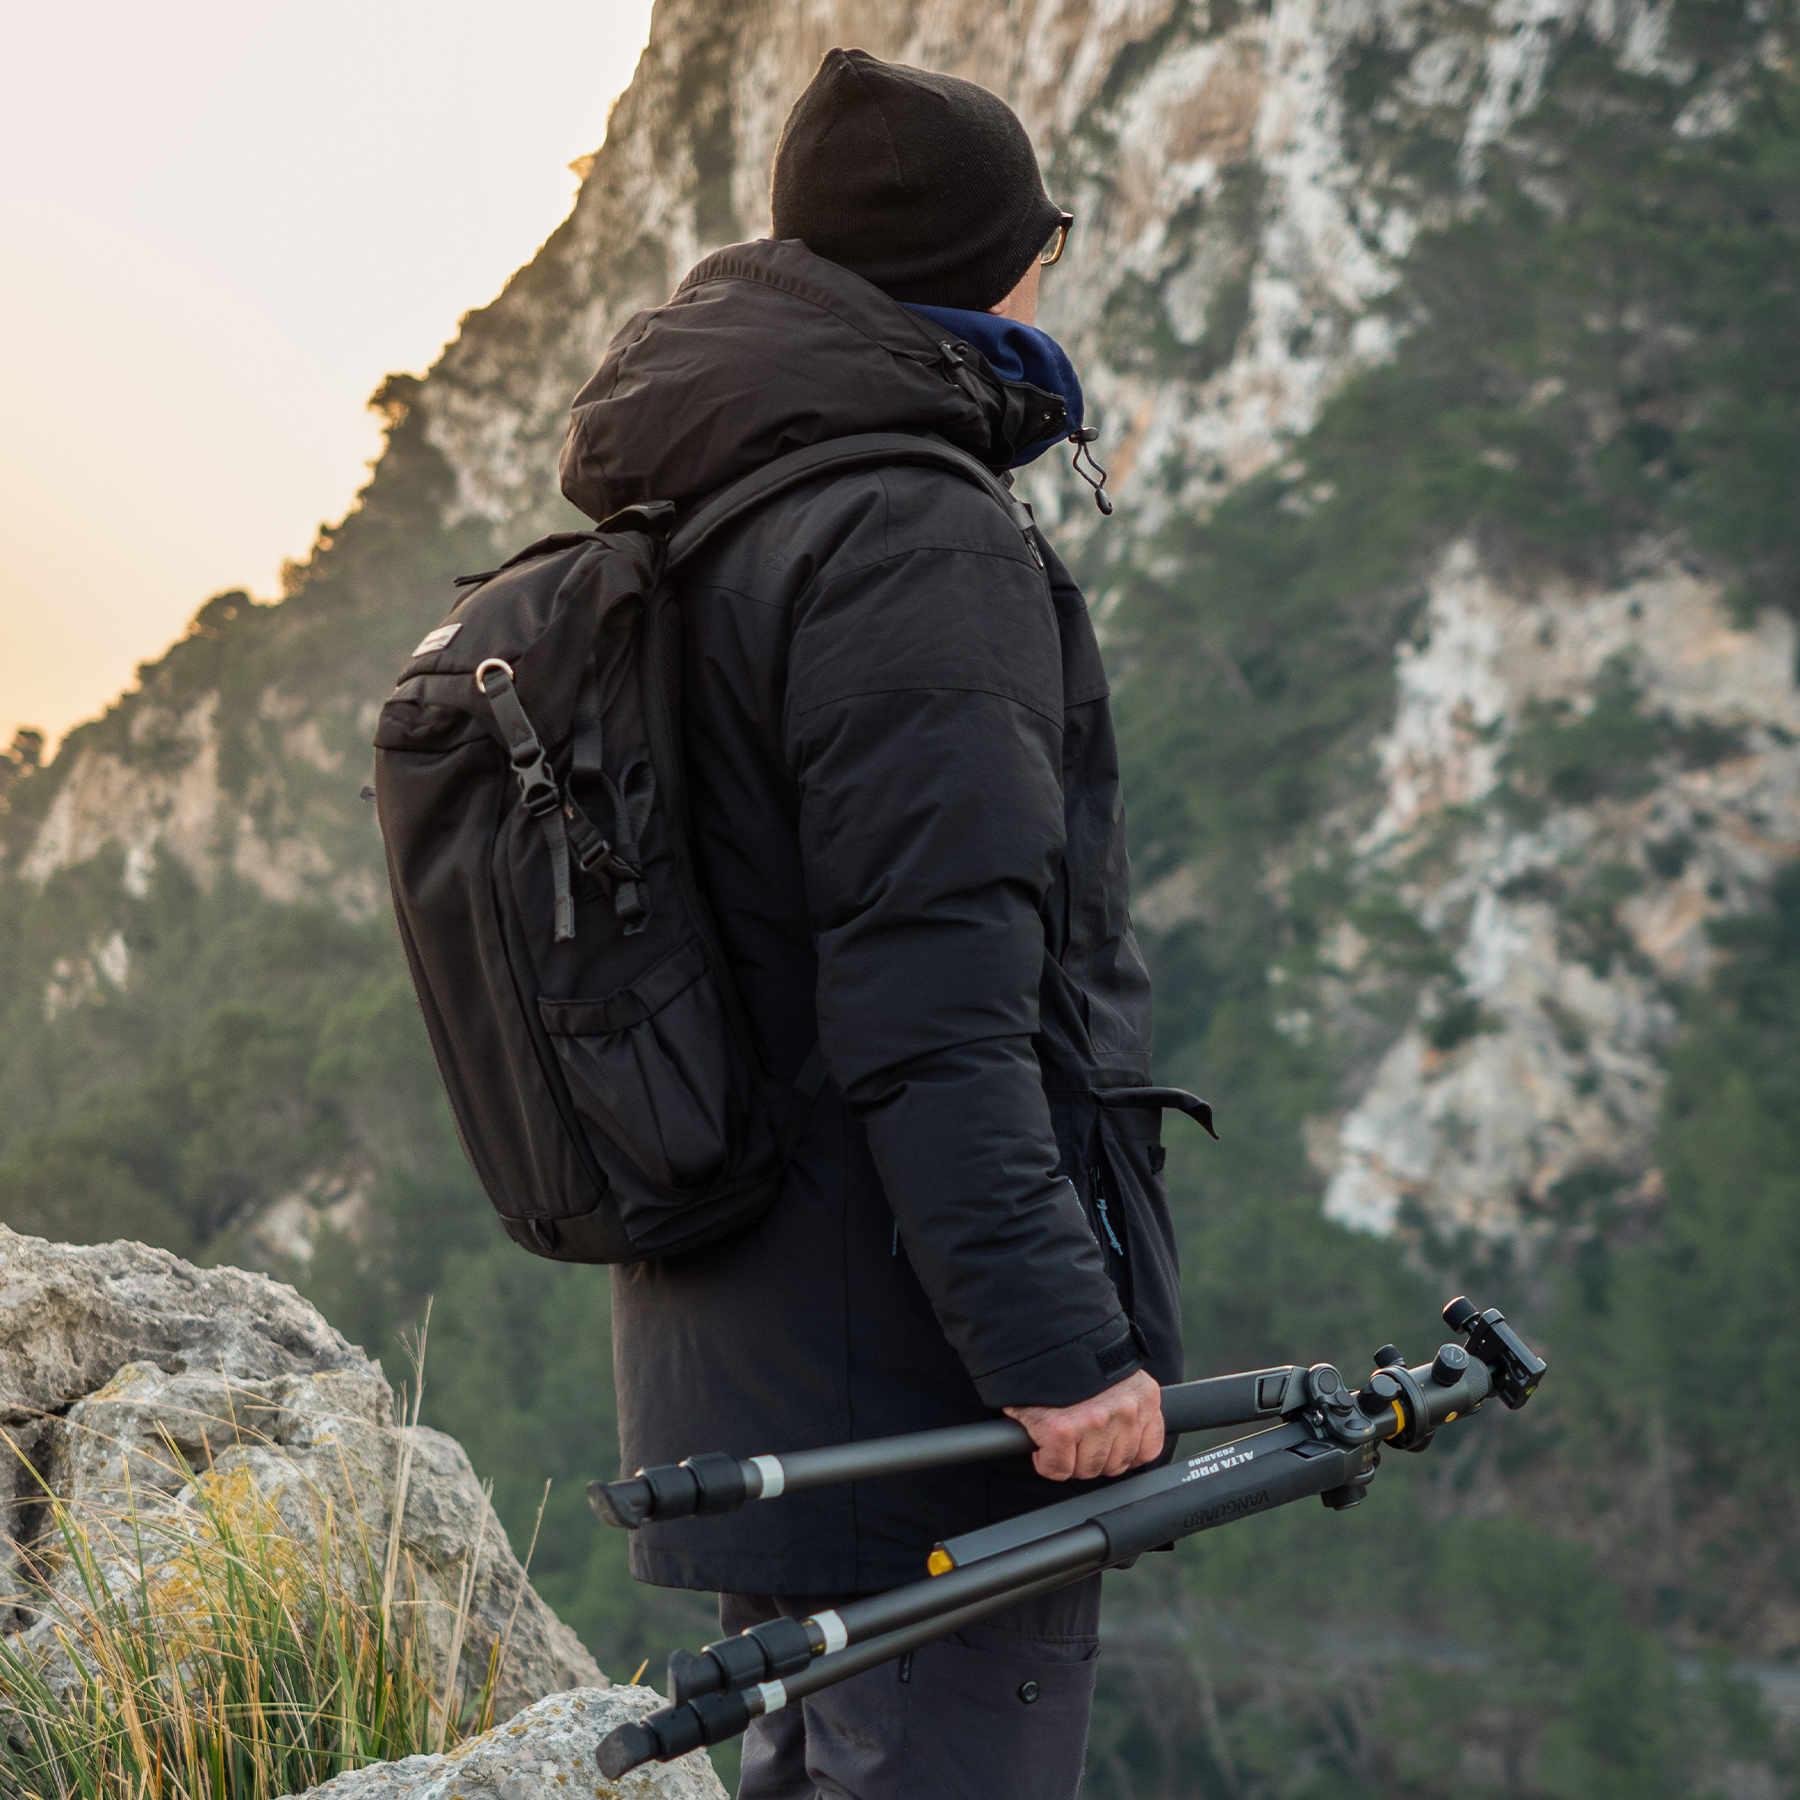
(1114, 1431)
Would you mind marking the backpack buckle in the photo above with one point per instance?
(600, 855)
(595, 854)
(538, 792)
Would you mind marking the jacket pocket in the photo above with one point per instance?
(1129, 1198)
(650, 1073)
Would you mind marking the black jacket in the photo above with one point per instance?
(907, 808)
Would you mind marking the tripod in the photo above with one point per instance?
(1326, 1441)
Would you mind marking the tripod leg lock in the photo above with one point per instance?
(764, 1652)
(720, 1481)
(710, 1483)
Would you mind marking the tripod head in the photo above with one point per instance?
(1516, 1367)
(1495, 1360)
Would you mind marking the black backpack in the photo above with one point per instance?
(531, 792)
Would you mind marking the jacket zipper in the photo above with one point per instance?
(1097, 1188)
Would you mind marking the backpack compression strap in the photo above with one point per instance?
(866, 449)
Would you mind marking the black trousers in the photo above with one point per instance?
(996, 1711)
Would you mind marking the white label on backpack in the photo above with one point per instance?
(436, 640)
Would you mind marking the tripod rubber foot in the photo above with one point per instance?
(625, 1505)
(627, 1746)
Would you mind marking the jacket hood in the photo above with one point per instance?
(766, 347)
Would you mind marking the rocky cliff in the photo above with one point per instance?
(1265, 196)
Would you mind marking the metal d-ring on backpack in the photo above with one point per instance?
(532, 796)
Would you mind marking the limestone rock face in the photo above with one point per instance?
(1253, 187)
(1571, 928)
(548, 1749)
(130, 1377)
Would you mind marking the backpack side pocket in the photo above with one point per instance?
(649, 1068)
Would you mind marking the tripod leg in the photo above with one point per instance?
(781, 1648)
(716, 1483)
(711, 1718)
(840, 1665)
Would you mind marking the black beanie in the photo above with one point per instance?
(924, 184)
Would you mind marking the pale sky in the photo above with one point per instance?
(221, 223)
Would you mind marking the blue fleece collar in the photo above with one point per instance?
(1017, 352)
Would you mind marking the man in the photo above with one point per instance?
(906, 805)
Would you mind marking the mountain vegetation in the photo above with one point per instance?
(1591, 382)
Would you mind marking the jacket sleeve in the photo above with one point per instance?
(923, 726)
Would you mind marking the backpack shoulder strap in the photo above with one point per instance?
(839, 456)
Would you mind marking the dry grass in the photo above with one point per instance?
(217, 1655)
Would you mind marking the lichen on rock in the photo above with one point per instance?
(548, 1749)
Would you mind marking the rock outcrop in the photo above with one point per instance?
(132, 1383)
(549, 1749)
